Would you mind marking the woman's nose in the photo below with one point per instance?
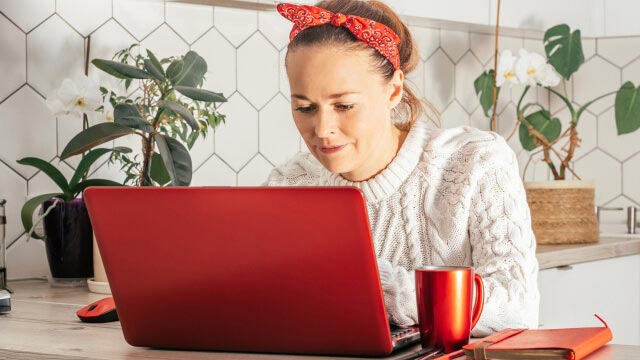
(325, 124)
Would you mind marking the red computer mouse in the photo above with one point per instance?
(103, 310)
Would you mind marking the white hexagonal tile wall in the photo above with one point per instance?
(615, 219)
(479, 120)
(605, 171)
(255, 173)
(482, 46)
(54, 52)
(588, 48)
(514, 44)
(507, 127)
(164, 43)
(221, 62)
(27, 259)
(535, 45)
(454, 115)
(27, 14)
(619, 146)
(28, 130)
(258, 80)
(85, 16)
(42, 184)
(275, 28)
(105, 42)
(587, 130)
(188, 20)
(12, 58)
(631, 178)
(427, 40)
(415, 80)
(631, 72)
(285, 89)
(454, 43)
(237, 141)
(439, 80)
(467, 71)
(596, 77)
(214, 172)
(619, 51)
(533, 167)
(14, 190)
(109, 172)
(139, 17)
(235, 24)
(202, 150)
(279, 137)
(555, 103)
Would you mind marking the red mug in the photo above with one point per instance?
(444, 295)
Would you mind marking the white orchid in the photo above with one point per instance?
(532, 68)
(506, 71)
(75, 97)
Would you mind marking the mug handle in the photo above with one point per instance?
(479, 303)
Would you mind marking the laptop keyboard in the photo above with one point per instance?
(397, 333)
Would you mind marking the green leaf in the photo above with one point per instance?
(94, 136)
(180, 110)
(174, 68)
(156, 64)
(128, 115)
(148, 65)
(628, 108)
(484, 90)
(158, 171)
(29, 207)
(200, 94)
(192, 71)
(89, 159)
(176, 159)
(120, 70)
(564, 49)
(50, 170)
(542, 122)
(81, 186)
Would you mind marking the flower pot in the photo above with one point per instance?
(99, 283)
(68, 242)
(563, 211)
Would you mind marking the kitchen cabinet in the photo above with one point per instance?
(570, 295)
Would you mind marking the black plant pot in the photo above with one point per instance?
(69, 240)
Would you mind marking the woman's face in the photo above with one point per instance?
(342, 108)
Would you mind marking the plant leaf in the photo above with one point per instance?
(193, 70)
(148, 65)
(128, 115)
(120, 70)
(627, 108)
(89, 159)
(94, 136)
(26, 214)
(564, 49)
(176, 159)
(174, 68)
(484, 90)
(155, 62)
(158, 171)
(542, 122)
(50, 170)
(81, 186)
(180, 110)
(200, 94)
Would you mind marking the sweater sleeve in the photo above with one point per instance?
(399, 290)
(503, 245)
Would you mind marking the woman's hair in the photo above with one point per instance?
(410, 107)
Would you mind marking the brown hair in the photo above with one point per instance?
(410, 107)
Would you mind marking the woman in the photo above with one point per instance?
(434, 197)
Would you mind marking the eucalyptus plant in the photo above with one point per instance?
(170, 111)
(537, 128)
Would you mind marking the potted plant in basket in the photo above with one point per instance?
(169, 113)
(540, 132)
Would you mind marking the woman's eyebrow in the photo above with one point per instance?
(332, 96)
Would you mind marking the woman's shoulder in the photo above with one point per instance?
(302, 169)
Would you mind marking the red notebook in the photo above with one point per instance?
(566, 344)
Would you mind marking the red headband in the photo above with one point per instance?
(372, 33)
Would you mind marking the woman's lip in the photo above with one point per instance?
(331, 149)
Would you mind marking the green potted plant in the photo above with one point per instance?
(539, 132)
(169, 113)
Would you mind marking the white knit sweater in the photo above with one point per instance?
(449, 197)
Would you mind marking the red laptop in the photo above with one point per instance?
(250, 269)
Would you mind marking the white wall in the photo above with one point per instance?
(42, 42)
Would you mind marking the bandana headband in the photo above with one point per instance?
(372, 33)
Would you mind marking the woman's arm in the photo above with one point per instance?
(399, 290)
(502, 242)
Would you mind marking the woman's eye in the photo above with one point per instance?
(304, 109)
(344, 107)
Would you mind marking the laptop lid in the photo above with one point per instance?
(252, 269)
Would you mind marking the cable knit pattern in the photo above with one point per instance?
(449, 197)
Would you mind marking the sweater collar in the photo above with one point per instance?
(389, 180)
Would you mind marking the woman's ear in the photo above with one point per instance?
(396, 88)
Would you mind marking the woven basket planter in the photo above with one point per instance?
(563, 211)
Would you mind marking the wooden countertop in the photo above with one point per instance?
(608, 246)
(43, 325)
